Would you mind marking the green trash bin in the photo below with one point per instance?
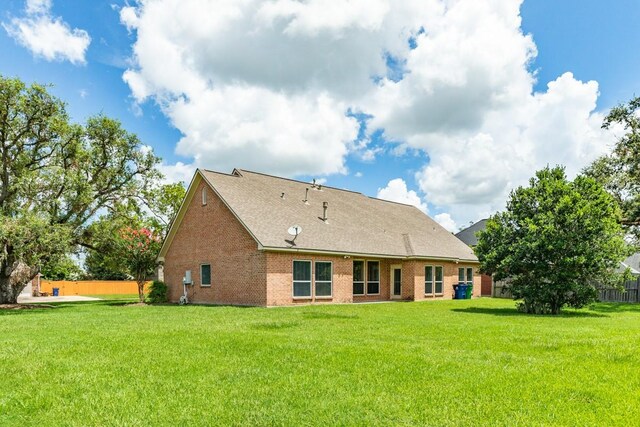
(469, 291)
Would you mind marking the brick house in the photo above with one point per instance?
(231, 235)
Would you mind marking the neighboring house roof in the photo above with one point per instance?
(632, 262)
(357, 224)
(468, 235)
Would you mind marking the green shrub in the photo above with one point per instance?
(158, 292)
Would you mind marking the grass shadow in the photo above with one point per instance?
(513, 312)
(322, 315)
(17, 312)
(275, 326)
(615, 307)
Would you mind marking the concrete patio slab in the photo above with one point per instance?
(70, 298)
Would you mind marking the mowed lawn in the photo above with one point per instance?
(472, 362)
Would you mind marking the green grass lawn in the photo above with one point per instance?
(472, 362)
(117, 297)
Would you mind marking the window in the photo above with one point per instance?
(433, 280)
(204, 196)
(358, 277)
(373, 277)
(302, 279)
(205, 275)
(465, 275)
(439, 280)
(428, 280)
(324, 277)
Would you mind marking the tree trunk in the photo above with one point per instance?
(8, 292)
(141, 290)
(14, 277)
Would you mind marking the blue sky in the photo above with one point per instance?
(593, 40)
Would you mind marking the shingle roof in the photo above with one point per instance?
(357, 224)
(468, 235)
(632, 262)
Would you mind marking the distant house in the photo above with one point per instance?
(632, 263)
(469, 237)
(236, 237)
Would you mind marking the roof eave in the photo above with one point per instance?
(363, 255)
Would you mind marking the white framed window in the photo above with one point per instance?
(324, 279)
(301, 279)
(204, 196)
(465, 275)
(373, 277)
(433, 280)
(439, 282)
(428, 280)
(358, 277)
(205, 275)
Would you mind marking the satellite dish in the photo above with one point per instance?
(294, 230)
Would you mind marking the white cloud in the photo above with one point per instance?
(468, 101)
(260, 129)
(47, 36)
(129, 17)
(445, 220)
(397, 191)
(38, 6)
(179, 172)
(267, 85)
(475, 173)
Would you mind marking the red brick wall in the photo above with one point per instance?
(211, 234)
(280, 278)
(450, 272)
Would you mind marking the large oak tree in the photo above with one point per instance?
(55, 178)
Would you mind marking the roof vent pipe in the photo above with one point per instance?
(282, 196)
(325, 206)
(306, 196)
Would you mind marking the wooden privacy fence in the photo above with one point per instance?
(501, 289)
(91, 287)
(631, 293)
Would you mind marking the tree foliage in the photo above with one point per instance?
(56, 177)
(138, 249)
(155, 209)
(62, 268)
(619, 171)
(162, 204)
(556, 241)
